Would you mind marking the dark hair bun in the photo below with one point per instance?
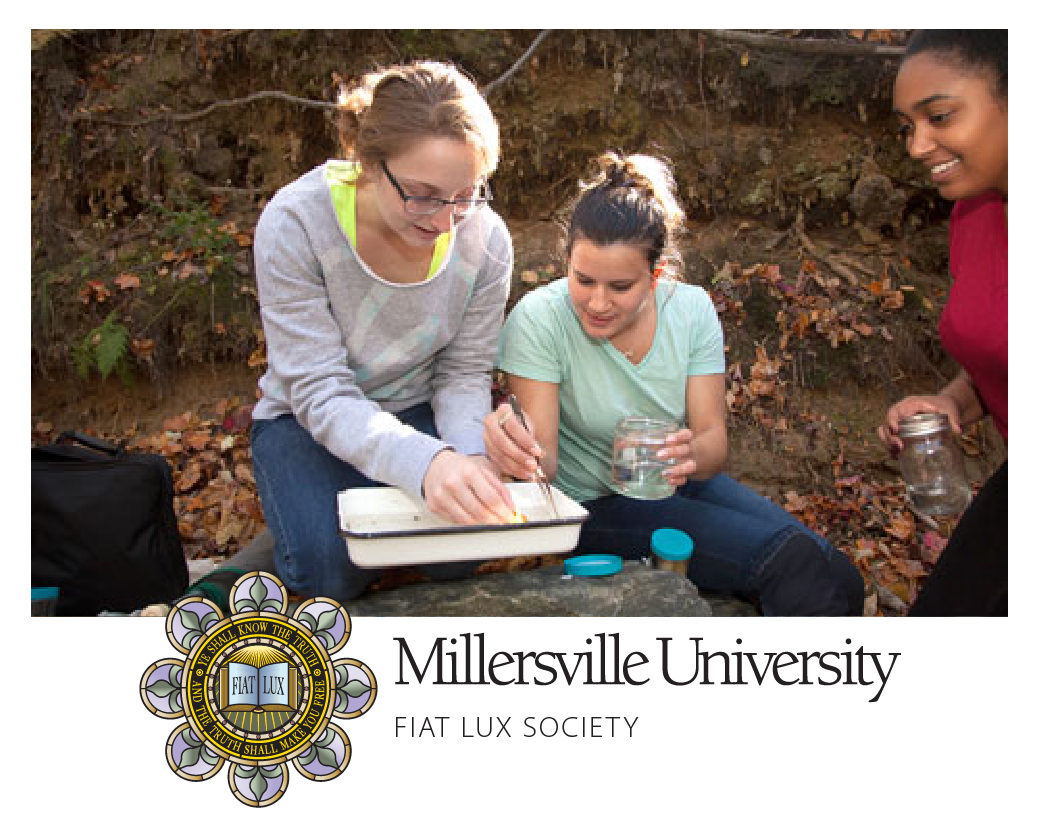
(630, 199)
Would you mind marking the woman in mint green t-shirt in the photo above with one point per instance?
(613, 339)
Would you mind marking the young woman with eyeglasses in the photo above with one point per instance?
(382, 280)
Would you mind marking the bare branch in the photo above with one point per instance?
(276, 94)
(520, 62)
(807, 45)
(206, 111)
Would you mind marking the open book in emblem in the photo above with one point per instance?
(258, 679)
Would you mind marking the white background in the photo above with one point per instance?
(939, 746)
(950, 745)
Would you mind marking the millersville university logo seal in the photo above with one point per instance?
(258, 689)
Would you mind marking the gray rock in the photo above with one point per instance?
(214, 163)
(728, 606)
(874, 200)
(639, 591)
(259, 554)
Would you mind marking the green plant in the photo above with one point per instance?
(191, 227)
(104, 348)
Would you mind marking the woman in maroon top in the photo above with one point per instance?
(951, 100)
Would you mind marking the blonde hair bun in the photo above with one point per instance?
(394, 108)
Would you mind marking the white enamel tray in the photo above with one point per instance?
(384, 527)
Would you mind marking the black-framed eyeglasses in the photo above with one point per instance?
(426, 206)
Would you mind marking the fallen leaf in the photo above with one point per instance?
(761, 387)
(126, 281)
(143, 347)
(94, 290)
(894, 300)
(191, 476)
(259, 357)
(196, 440)
(901, 526)
(178, 423)
(910, 568)
(239, 420)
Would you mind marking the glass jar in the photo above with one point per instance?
(636, 469)
(672, 550)
(931, 465)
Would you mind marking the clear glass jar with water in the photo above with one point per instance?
(932, 466)
(636, 469)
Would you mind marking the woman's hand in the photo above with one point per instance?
(466, 489)
(917, 404)
(512, 448)
(680, 450)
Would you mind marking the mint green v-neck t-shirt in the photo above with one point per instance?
(543, 340)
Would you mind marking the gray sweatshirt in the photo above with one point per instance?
(347, 350)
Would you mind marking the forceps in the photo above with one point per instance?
(544, 484)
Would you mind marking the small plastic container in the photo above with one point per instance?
(594, 579)
(45, 602)
(593, 564)
(931, 465)
(636, 469)
(672, 549)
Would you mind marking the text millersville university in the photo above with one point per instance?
(465, 660)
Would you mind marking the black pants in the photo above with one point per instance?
(971, 576)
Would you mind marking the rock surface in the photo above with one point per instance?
(874, 200)
(639, 591)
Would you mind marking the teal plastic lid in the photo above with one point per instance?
(671, 545)
(44, 593)
(593, 564)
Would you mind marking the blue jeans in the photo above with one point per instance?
(298, 480)
(745, 545)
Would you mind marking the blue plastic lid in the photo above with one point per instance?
(671, 545)
(593, 564)
(45, 593)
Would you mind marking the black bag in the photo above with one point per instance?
(104, 530)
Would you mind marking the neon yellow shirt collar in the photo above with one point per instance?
(341, 176)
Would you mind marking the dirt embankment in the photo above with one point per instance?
(142, 221)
